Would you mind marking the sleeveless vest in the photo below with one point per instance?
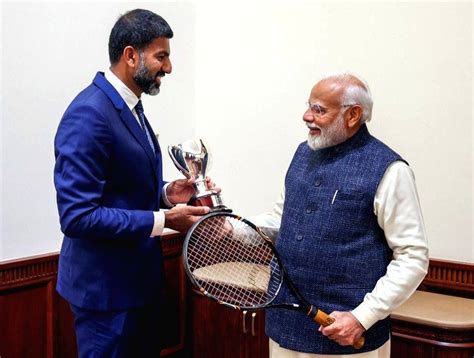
(329, 241)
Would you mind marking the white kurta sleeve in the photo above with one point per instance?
(270, 221)
(398, 212)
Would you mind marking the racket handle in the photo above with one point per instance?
(325, 320)
(359, 343)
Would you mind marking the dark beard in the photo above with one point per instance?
(145, 81)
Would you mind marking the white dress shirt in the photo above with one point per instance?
(131, 101)
(398, 212)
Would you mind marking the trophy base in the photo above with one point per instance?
(212, 199)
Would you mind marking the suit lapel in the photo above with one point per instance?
(159, 162)
(137, 131)
(129, 120)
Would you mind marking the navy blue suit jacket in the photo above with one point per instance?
(108, 183)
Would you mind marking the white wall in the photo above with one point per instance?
(417, 57)
(242, 72)
(51, 51)
(1, 137)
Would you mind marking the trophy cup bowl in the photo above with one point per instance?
(192, 159)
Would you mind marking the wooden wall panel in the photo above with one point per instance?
(36, 322)
(174, 336)
(407, 347)
(27, 307)
(448, 277)
(402, 348)
(29, 329)
(416, 340)
(65, 338)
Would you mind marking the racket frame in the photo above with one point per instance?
(303, 306)
(206, 293)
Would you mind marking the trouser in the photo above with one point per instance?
(279, 352)
(134, 332)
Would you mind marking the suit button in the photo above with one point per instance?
(299, 237)
(308, 211)
(317, 183)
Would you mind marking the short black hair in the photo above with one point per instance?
(136, 28)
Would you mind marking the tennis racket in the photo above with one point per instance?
(231, 261)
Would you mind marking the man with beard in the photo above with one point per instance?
(348, 227)
(108, 177)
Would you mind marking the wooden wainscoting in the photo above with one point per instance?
(411, 339)
(36, 322)
(449, 277)
(30, 310)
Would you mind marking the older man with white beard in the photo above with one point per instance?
(349, 228)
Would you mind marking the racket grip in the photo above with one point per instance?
(359, 343)
(325, 320)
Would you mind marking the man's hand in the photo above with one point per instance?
(345, 331)
(181, 218)
(181, 190)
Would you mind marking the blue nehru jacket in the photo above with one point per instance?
(330, 241)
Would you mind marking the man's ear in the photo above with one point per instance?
(354, 116)
(130, 56)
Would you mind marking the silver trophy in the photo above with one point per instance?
(191, 158)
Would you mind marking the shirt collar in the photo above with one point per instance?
(126, 93)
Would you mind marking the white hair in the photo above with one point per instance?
(356, 91)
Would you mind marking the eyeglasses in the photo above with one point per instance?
(319, 111)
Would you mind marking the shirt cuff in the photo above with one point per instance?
(168, 203)
(365, 315)
(159, 224)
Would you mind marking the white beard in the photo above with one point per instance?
(330, 136)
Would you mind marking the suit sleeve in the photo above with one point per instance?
(82, 149)
(164, 202)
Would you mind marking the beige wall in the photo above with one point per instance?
(257, 64)
(242, 72)
(51, 51)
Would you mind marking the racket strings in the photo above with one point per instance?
(232, 262)
(228, 273)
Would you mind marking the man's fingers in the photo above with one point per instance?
(184, 181)
(329, 330)
(326, 332)
(213, 187)
(198, 210)
(211, 184)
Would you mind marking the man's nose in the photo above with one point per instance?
(168, 67)
(308, 115)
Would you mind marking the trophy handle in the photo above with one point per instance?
(203, 146)
(176, 162)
